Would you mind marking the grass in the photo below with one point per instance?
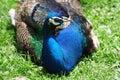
(103, 65)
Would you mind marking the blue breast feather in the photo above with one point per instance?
(61, 53)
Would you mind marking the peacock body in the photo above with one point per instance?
(62, 52)
(66, 36)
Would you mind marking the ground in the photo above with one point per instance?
(102, 65)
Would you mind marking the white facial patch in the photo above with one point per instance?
(51, 20)
(66, 22)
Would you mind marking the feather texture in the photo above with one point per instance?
(29, 41)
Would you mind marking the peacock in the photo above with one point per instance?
(59, 28)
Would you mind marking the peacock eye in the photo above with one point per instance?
(58, 20)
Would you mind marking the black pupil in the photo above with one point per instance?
(58, 20)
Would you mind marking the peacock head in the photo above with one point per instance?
(57, 23)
